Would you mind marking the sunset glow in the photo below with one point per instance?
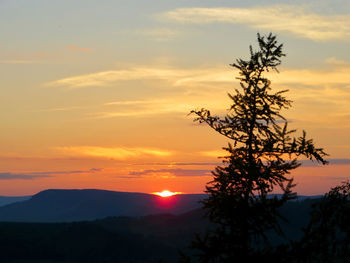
(104, 103)
(166, 193)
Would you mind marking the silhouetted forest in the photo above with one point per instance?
(123, 239)
(316, 230)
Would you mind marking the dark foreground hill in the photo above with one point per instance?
(114, 239)
(78, 205)
(120, 239)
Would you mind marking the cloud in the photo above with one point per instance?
(337, 72)
(118, 153)
(175, 76)
(181, 164)
(159, 34)
(71, 108)
(309, 163)
(132, 108)
(171, 172)
(329, 84)
(135, 102)
(338, 178)
(43, 174)
(314, 77)
(15, 176)
(75, 48)
(92, 170)
(214, 153)
(147, 109)
(332, 61)
(197, 164)
(305, 163)
(14, 61)
(282, 18)
(137, 108)
(339, 161)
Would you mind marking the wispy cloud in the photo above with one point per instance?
(171, 172)
(159, 34)
(135, 102)
(305, 163)
(81, 49)
(156, 34)
(61, 109)
(130, 108)
(308, 163)
(92, 170)
(20, 61)
(335, 62)
(43, 174)
(296, 20)
(327, 84)
(337, 72)
(214, 153)
(118, 153)
(16, 176)
(150, 108)
(182, 164)
(175, 76)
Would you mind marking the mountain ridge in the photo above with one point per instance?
(64, 205)
(68, 205)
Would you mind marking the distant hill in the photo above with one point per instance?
(89, 204)
(6, 200)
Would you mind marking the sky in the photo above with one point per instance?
(96, 93)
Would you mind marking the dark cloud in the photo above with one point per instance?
(92, 170)
(201, 172)
(305, 163)
(309, 163)
(175, 172)
(339, 161)
(343, 178)
(35, 175)
(197, 164)
(14, 176)
(129, 177)
(180, 164)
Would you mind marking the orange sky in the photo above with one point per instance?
(100, 98)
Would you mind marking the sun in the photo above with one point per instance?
(166, 193)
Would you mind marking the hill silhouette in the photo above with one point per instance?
(89, 204)
(6, 200)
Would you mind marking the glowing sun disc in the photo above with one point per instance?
(166, 193)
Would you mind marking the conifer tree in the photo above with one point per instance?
(260, 155)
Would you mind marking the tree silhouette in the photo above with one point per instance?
(261, 154)
(327, 237)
